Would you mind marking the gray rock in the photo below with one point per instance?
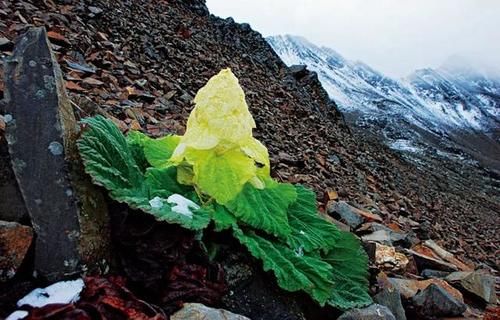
(479, 283)
(198, 311)
(435, 301)
(372, 312)
(68, 213)
(186, 97)
(298, 71)
(346, 213)
(95, 10)
(429, 273)
(384, 235)
(391, 298)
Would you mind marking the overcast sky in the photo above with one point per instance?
(393, 36)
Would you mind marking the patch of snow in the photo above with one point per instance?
(182, 205)
(404, 145)
(156, 202)
(17, 315)
(59, 292)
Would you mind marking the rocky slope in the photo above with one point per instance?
(143, 74)
(454, 108)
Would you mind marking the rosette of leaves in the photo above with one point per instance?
(218, 172)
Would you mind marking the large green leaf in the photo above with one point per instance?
(294, 270)
(265, 209)
(135, 141)
(350, 273)
(156, 151)
(108, 158)
(222, 218)
(159, 151)
(221, 173)
(163, 182)
(309, 230)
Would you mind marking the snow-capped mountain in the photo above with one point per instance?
(429, 104)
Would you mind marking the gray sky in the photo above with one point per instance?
(393, 36)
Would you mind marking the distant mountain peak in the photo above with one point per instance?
(455, 95)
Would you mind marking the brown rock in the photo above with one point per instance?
(387, 258)
(15, 240)
(70, 85)
(92, 82)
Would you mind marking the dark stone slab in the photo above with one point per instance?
(41, 135)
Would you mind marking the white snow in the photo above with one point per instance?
(182, 205)
(17, 315)
(59, 292)
(404, 145)
(156, 202)
(424, 97)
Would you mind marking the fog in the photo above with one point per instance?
(393, 36)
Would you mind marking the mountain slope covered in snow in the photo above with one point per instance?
(452, 108)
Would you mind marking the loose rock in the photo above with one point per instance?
(479, 283)
(409, 288)
(435, 301)
(346, 213)
(198, 311)
(373, 312)
(15, 240)
(387, 258)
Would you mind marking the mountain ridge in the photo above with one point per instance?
(428, 102)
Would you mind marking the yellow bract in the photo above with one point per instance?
(219, 138)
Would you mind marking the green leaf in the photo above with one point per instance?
(159, 151)
(109, 160)
(135, 141)
(156, 151)
(309, 230)
(163, 182)
(294, 270)
(107, 156)
(222, 218)
(265, 209)
(221, 174)
(350, 273)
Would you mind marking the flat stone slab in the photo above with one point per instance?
(41, 136)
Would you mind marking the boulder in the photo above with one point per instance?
(198, 311)
(68, 213)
